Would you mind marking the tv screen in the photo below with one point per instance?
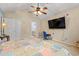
(57, 23)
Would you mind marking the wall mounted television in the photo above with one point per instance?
(58, 23)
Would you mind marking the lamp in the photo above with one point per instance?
(3, 35)
(3, 24)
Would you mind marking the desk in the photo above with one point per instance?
(5, 36)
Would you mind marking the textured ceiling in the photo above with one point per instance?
(53, 8)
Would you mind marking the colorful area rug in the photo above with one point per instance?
(32, 47)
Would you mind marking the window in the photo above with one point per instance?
(34, 26)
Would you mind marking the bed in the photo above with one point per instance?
(32, 47)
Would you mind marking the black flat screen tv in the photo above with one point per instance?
(58, 23)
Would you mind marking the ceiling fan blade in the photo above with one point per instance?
(33, 6)
(45, 8)
(43, 12)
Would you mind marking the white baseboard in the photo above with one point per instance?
(66, 43)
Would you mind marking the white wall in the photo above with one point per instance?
(12, 28)
(24, 29)
(71, 33)
(19, 22)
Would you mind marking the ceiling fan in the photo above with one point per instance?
(38, 10)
